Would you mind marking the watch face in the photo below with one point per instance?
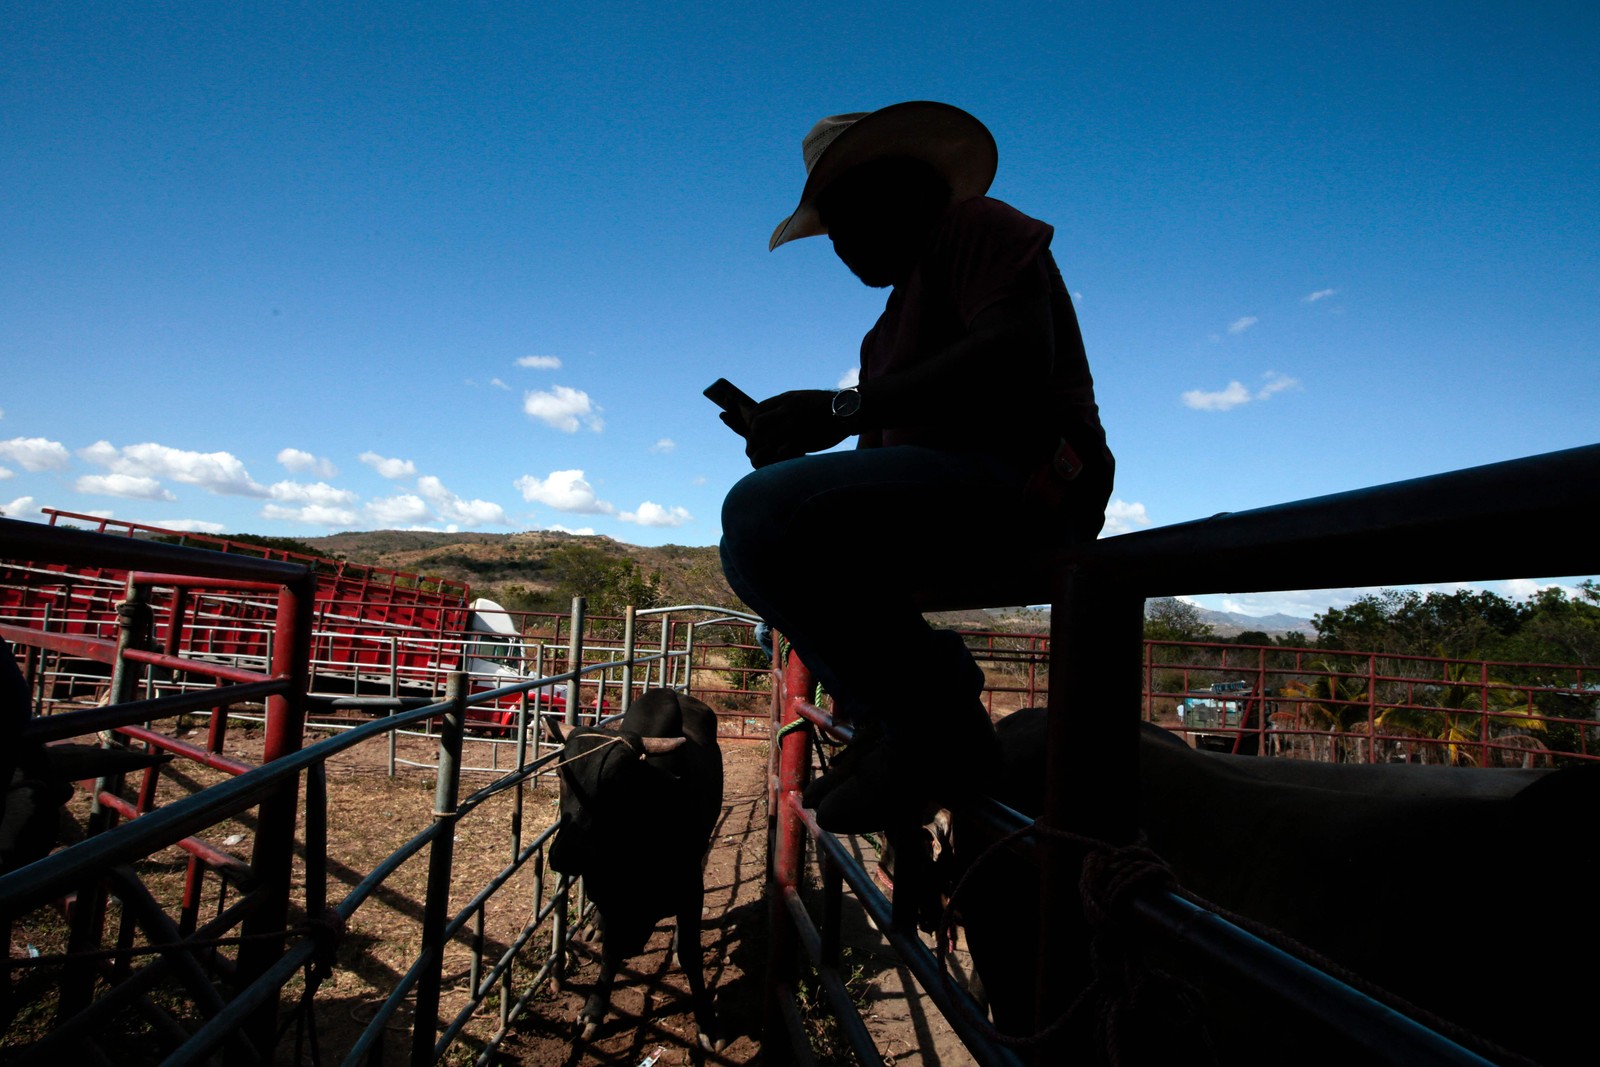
(846, 402)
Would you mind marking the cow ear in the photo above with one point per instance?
(657, 746)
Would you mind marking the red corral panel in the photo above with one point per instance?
(363, 613)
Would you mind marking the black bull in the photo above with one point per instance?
(638, 805)
(1467, 892)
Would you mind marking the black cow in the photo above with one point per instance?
(36, 780)
(1466, 892)
(638, 805)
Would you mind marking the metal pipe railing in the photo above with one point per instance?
(1405, 532)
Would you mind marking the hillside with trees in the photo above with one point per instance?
(543, 571)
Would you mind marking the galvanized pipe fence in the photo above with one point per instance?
(1505, 520)
(252, 900)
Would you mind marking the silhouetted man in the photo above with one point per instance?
(978, 442)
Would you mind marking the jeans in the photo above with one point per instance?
(830, 549)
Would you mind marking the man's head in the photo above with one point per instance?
(956, 146)
(880, 214)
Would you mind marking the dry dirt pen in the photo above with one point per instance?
(370, 814)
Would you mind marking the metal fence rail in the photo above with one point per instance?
(241, 1022)
(1420, 531)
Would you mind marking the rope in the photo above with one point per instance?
(1112, 876)
(1122, 994)
(590, 752)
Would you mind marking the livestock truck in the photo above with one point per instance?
(376, 631)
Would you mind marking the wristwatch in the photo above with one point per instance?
(847, 403)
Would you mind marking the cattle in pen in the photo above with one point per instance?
(1468, 893)
(638, 806)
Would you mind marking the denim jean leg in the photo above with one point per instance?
(830, 549)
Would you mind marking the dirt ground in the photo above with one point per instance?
(370, 814)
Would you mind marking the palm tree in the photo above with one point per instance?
(1334, 702)
(1464, 708)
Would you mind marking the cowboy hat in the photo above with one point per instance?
(952, 141)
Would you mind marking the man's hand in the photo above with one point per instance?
(793, 424)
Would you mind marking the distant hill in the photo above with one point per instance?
(521, 568)
(1231, 623)
(526, 566)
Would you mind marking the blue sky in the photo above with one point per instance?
(294, 269)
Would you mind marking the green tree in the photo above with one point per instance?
(1334, 702)
(1171, 619)
(1452, 712)
(1405, 622)
(609, 583)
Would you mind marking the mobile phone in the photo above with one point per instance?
(734, 401)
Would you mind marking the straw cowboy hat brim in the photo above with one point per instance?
(952, 141)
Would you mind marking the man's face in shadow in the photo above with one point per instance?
(880, 216)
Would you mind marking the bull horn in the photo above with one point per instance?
(656, 746)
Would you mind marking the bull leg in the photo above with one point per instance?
(686, 938)
(594, 1009)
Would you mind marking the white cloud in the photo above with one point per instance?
(663, 446)
(23, 507)
(1236, 393)
(320, 493)
(186, 525)
(1124, 517)
(36, 454)
(7, 472)
(1231, 397)
(456, 510)
(293, 459)
(1243, 324)
(216, 472)
(393, 469)
(582, 531)
(1320, 294)
(128, 486)
(540, 362)
(564, 491)
(849, 378)
(315, 514)
(398, 511)
(1276, 383)
(498, 384)
(563, 408)
(651, 514)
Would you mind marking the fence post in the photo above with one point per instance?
(666, 646)
(134, 630)
(628, 652)
(688, 662)
(441, 857)
(272, 858)
(394, 691)
(1096, 639)
(791, 759)
(575, 661)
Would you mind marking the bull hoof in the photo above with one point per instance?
(712, 1043)
(590, 1027)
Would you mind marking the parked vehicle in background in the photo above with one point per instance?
(377, 632)
(1226, 717)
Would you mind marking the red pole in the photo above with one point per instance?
(274, 845)
(791, 761)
